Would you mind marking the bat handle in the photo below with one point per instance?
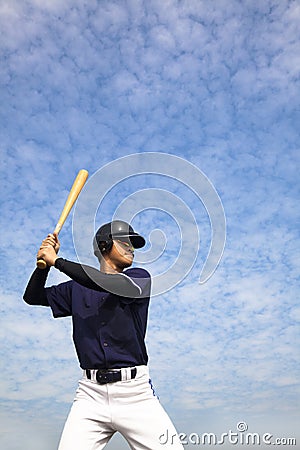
(41, 264)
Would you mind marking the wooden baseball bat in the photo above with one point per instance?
(72, 197)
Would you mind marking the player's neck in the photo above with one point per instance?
(106, 266)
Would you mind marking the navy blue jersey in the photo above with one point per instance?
(108, 330)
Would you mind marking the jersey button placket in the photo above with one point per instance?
(101, 332)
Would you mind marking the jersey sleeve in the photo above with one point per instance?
(60, 299)
(92, 278)
(142, 279)
(35, 292)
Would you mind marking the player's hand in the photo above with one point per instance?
(55, 241)
(52, 239)
(49, 249)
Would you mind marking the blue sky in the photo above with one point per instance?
(216, 83)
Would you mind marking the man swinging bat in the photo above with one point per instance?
(109, 309)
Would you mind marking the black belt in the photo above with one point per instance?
(109, 376)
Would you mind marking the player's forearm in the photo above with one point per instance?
(92, 278)
(35, 292)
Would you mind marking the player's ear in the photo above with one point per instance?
(102, 248)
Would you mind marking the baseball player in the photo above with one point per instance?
(109, 309)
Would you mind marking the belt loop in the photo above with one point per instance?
(124, 374)
(88, 374)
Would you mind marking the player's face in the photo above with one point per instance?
(122, 253)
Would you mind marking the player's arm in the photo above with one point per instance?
(85, 275)
(95, 279)
(35, 292)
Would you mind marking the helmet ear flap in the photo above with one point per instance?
(105, 246)
(109, 244)
(102, 247)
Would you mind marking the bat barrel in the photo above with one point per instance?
(72, 197)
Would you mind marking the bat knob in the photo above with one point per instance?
(41, 264)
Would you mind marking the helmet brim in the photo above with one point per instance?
(136, 239)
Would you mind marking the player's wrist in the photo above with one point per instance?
(52, 262)
(57, 261)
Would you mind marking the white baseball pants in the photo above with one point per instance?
(129, 407)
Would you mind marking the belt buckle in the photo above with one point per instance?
(102, 376)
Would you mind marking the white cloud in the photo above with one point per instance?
(213, 83)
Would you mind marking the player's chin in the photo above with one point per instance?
(127, 260)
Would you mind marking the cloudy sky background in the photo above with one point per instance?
(216, 83)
